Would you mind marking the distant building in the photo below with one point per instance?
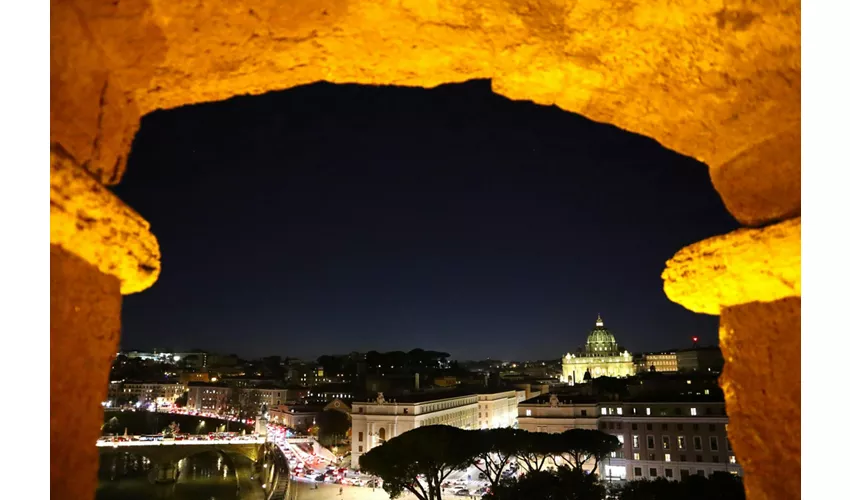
(702, 359)
(375, 422)
(323, 393)
(657, 362)
(669, 439)
(601, 357)
(298, 417)
(187, 377)
(209, 397)
(152, 392)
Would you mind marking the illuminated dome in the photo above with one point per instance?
(600, 341)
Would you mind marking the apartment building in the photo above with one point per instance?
(670, 439)
(209, 397)
(152, 392)
(374, 422)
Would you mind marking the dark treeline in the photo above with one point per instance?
(556, 466)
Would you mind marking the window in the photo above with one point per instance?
(715, 459)
(360, 449)
(667, 457)
(696, 427)
(650, 442)
(527, 413)
(732, 459)
(697, 443)
(634, 427)
(699, 458)
(635, 442)
(653, 472)
(649, 427)
(700, 473)
(683, 458)
(668, 473)
(360, 436)
(663, 427)
(648, 411)
(604, 411)
(636, 456)
(620, 438)
(584, 413)
(712, 443)
(711, 427)
(665, 442)
(619, 411)
(680, 427)
(651, 456)
(638, 472)
(693, 412)
(685, 473)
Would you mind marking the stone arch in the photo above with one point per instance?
(718, 81)
(382, 434)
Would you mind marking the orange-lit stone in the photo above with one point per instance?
(87, 220)
(748, 265)
(761, 381)
(711, 79)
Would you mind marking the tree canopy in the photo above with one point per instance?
(563, 484)
(419, 460)
(333, 426)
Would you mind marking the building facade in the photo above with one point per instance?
(660, 439)
(152, 392)
(373, 423)
(664, 362)
(209, 397)
(297, 417)
(601, 357)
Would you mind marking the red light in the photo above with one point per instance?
(694, 339)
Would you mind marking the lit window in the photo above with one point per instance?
(732, 459)
(681, 442)
(619, 411)
(527, 413)
(604, 411)
(648, 411)
(635, 441)
(666, 457)
(706, 391)
(693, 412)
(620, 438)
(637, 456)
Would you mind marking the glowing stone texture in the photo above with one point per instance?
(748, 265)
(712, 79)
(89, 221)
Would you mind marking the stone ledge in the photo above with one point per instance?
(748, 265)
(88, 220)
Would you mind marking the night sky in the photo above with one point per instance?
(332, 218)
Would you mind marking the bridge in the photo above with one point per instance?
(270, 464)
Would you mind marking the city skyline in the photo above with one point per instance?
(383, 218)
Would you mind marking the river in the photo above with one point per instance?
(206, 476)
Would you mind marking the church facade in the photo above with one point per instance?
(601, 357)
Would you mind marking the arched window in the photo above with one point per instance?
(382, 434)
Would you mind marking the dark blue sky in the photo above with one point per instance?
(333, 218)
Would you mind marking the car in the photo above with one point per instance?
(463, 492)
(481, 475)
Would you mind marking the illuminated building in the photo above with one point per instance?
(661, 438)
(601, 358)
(152, 392)
(657, 362)
(374, 422)
(208, 397)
